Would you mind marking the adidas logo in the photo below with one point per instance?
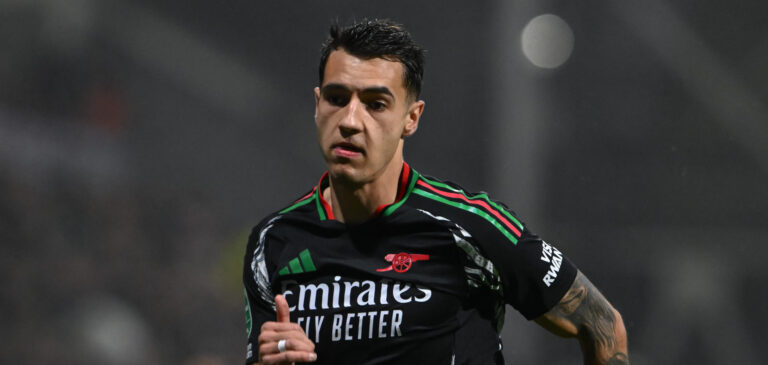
(298, 265)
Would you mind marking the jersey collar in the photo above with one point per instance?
(405, 184)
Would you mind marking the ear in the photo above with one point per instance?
(412, 121)
(317, 100)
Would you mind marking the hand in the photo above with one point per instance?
(298, 347)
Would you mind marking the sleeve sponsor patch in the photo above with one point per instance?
(554, 257)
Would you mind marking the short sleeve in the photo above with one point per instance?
(534, 274)
(510, 260)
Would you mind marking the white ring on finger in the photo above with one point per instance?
(281, 345)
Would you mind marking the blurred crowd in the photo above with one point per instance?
(113, 274)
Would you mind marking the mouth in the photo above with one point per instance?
(346, 149)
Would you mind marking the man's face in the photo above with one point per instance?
(362, 114)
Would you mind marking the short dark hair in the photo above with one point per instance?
(378, 39)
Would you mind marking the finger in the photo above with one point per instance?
(283, 312)
(281, 327)
(273, 347)
(289, 357)
(269, 339)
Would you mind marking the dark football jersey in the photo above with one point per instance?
(425, 280)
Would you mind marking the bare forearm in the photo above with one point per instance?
(605, 342)
(584, 313)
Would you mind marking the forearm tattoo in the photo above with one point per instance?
(586, 308)
(618, 359)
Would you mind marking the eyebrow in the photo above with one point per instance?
(369, 90)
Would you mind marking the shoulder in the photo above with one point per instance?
(476, 212)
(306, 205)
(302, 207)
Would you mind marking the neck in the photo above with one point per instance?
(356, 203)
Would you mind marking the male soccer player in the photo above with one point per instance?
(379, 264)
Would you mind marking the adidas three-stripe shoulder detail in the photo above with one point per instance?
(478, 204)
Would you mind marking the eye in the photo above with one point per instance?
(337, 100)
(377, 105)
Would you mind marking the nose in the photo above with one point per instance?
(352, 118)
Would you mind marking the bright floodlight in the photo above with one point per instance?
(547, 41)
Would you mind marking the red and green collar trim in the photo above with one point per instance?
(405, 184)
(323, 208)
(411, 182)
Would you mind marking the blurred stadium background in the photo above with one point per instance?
(140, 140)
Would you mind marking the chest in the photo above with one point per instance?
(352, 286)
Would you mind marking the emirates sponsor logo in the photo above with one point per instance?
(360, 304)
